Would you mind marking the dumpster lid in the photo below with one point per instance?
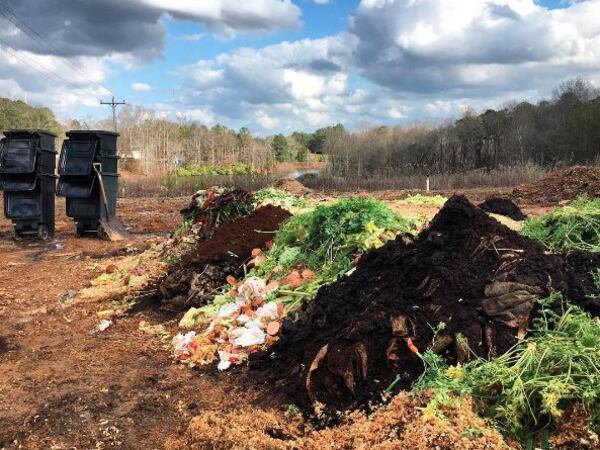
(17, 155)
(30, 132)
(77, 157)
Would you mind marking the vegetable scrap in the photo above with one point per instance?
(308, 251)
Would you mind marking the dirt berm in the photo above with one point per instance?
(204, 268)
(562, 185)
(467, 276)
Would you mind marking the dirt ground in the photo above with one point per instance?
(65, 386)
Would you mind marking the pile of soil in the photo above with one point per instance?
(562, 185)
(292, 186)
(194, 280)
(467, 276)
(504, 207)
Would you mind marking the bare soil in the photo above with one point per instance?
(64, 386)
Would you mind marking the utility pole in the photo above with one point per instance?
(113, 105)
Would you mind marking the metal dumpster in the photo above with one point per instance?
(27, 166)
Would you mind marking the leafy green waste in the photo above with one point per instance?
(572, 227)
(530, 386)
(195, 170)
(419, 199)
(277, 197)
(331, 235)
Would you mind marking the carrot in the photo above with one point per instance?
(273, 328)
(231, 280)
(255, 252)
(412, 347)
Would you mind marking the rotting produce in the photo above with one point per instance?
(310, 250)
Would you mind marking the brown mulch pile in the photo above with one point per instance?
(502, 206)
(563, 185)
(466, 271)
(292, 186)
(403, 424)
(206, 266)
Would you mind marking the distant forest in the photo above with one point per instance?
(562, 131)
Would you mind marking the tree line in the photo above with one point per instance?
(564, 130)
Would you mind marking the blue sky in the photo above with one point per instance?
(282, 65)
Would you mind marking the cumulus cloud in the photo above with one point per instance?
(472, 46)
(225, 16)
(287, 86)
(45, 42)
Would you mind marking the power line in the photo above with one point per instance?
(48, 74)
(37, 37)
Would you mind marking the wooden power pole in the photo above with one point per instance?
(113, 105)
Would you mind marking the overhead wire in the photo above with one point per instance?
(12, 17)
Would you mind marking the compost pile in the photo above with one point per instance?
(565, 184)
(466, 286)
(502, 206)
(205, 267)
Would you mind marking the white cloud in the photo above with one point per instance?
(141, 87)
(473, 46)
(29, 69)
(321, 2)
(226, 16)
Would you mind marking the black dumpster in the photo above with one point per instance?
(27, 166)
(83, 153)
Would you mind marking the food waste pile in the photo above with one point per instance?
(465, 287)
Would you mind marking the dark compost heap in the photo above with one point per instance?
(502, 206)
(193, 281)
(477, 277)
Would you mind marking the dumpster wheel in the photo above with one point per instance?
(43, 232)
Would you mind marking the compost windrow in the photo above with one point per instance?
(204, 268)
(563, 185)
(466, 286)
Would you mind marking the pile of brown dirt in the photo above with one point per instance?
(467, 276)
(403, 424)
(205, 267)
(502, 206)
(292, 186)
(562, 185)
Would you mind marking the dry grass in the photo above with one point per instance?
(160, 186)
(501, 178)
